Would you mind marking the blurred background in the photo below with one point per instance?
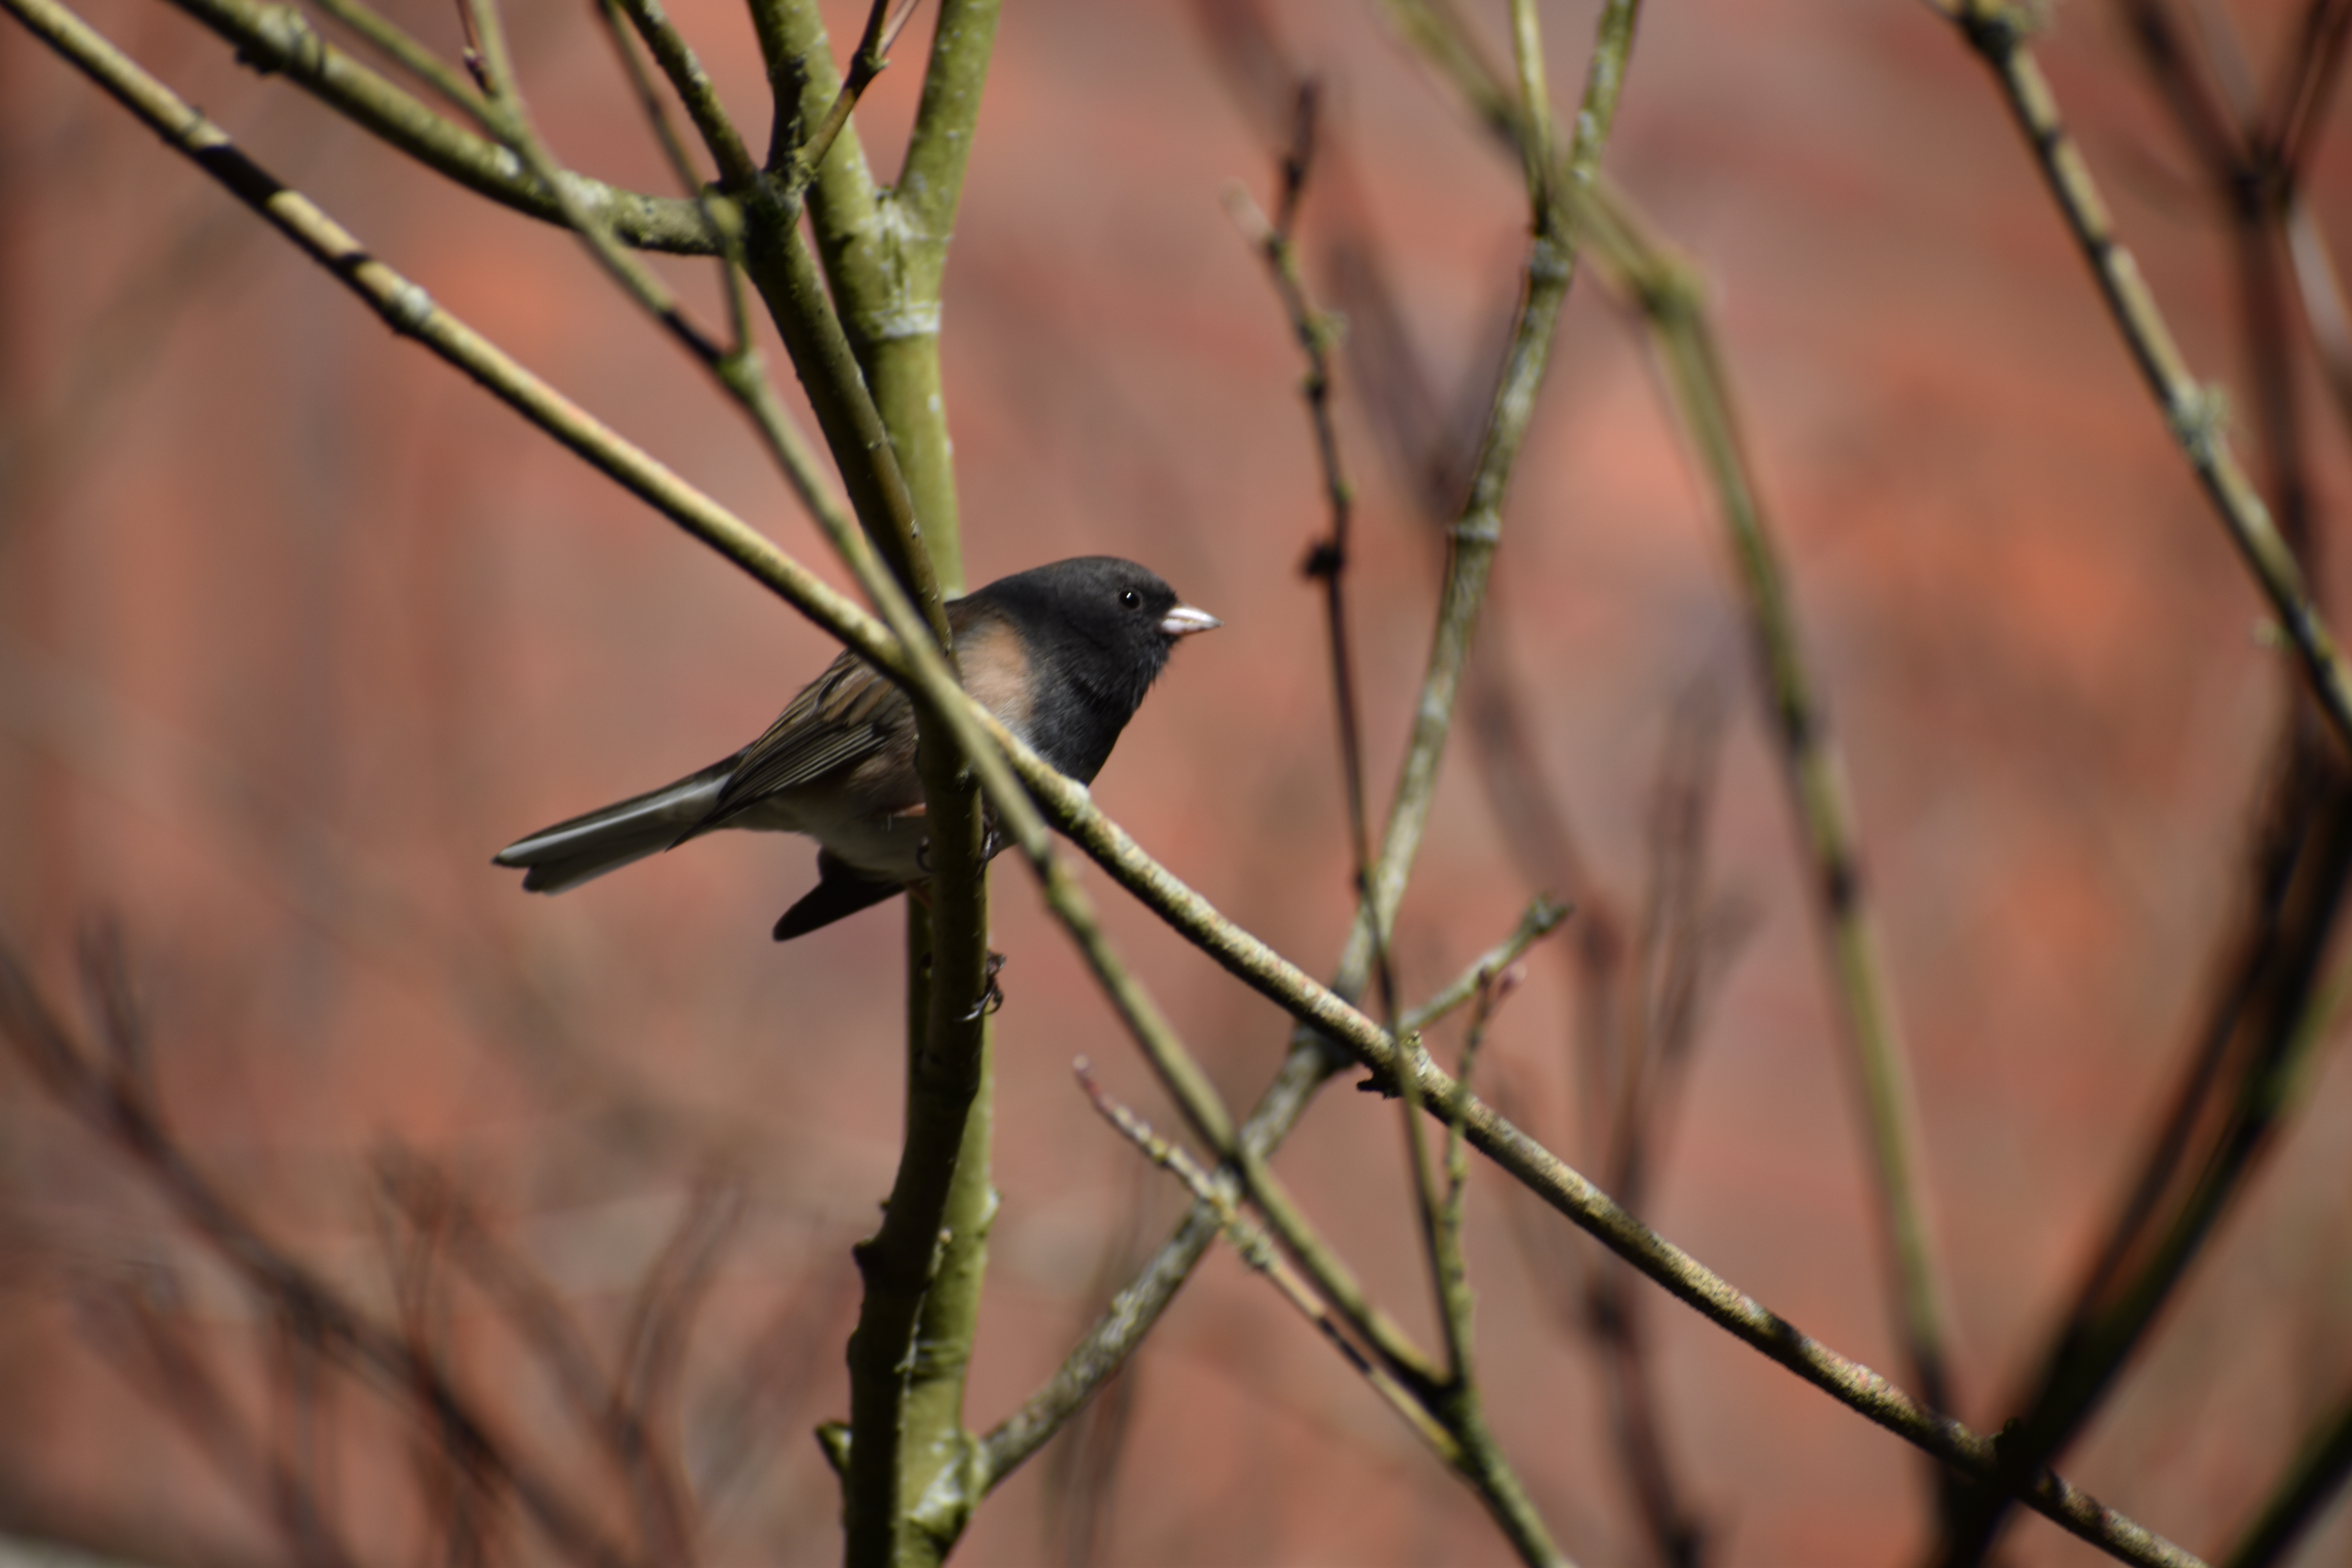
(299, 627)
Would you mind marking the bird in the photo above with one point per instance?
(1061, 654)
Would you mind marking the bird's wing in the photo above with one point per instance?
(847, 713)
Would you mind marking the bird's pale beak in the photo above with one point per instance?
(1184, 620)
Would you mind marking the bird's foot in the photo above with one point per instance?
(991, 995)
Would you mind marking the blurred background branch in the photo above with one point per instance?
(335, 725)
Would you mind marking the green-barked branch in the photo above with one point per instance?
(910, 658)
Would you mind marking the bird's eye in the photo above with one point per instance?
(1131, 599)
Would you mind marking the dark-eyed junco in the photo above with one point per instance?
(1061, 654)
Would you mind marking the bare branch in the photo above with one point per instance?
(1670, 299)
(600, 1401)
(1997, 32)
(410, 311)
(2320, 1467)
(277, 38)
(1251, 1245)
(1326, 559)
(736, 168)
(411, 54)
(113, 1108)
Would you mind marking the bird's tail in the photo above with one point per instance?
(585, 847)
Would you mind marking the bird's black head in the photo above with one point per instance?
(1098, 631)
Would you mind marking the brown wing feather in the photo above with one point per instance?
(847, 713)
(850, 713)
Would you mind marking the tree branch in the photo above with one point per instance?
(1997, 31)
(412, 55)
(1134, 1310)
(2318, 1472)
(1326, 559)
(277, 39)
(885, 251)
(1671, 300)
(1250, 1243)
(1311, 1059)
(1450, 1396)
(111, 1097)
(736, 168)
(410, 311)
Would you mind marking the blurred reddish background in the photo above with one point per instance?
(299, 627)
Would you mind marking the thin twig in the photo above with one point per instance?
(151, 1344)
(1311, 1060)
(1443, 1202)
(868, 61)
(2322, 1464)
(276, 39)
(1492, 990)
(2229, 1099)
(2253, 188)
(601, 1402)
(725, 223)
(649, 99)
(411, 54)
(1454, 1400)
(1998, 31)
(1440, 1245)
(2321, 290)
(111, 1105)
(2313, 66)
(510, 122)
(1204, 1110)
(1250, 1243)
(873, 321)
(1135, 1307)
(1434, 30)
(1448, 1404)
(1671, 300)
(1461, 1402)
(1327, 561)
(2267, 1016)
(1542, 918)
(736, 168)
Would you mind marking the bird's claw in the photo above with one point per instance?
(991, 995)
